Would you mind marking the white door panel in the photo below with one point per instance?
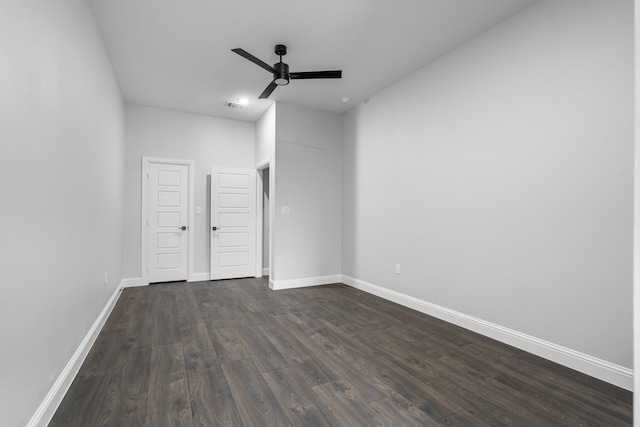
(168, 211)
(233, 221)
(230, 240)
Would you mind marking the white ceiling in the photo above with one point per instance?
(176, 54)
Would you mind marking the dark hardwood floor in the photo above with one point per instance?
(235, 353)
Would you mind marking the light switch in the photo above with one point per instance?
(198, 210)
(285, 210)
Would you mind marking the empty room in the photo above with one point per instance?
(338, 213)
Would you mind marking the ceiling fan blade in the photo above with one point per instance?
(253, 59)
(337, 74)
(268, 90)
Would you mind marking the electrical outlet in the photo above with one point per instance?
(397, 268)
(106, 279)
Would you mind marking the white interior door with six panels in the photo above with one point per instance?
(233, 223)
(168, 208)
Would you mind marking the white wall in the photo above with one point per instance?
(209, 141)
(307, 174)
(636, 258)
(61, 169)
(500, 178)
(266, 136)
(265, 143)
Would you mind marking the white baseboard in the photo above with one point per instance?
(277, 285)
(198, 277)
(598, 368)
(52, 400)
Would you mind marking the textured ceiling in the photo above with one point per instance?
(176, 54)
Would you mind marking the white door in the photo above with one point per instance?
(233, 223)
(168, 214)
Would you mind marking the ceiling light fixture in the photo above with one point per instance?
(234, 104)
(346, 99)
(244, 101)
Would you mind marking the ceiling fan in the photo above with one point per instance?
(280, 70)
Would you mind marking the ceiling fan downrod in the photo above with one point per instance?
(281, 74)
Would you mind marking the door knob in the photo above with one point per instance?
(183, 228)
(214, 228)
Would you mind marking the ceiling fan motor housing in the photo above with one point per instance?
(281, 76)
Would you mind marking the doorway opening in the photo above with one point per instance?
(266, 224)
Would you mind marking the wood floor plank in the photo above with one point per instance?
(411, 318)
(477, 373)
(168, 403)
(140, 330)
(304, 318)
(263, 353)
(350, 368)
(255, 401)
(127, 391)
(126, 396)
(396, 411)
(431, 396)
(561, 409)
(166, 328)
(193, 330)
(225, 338)
(463, 418)
(207, 304)
(579, 404)
(444, 377)
(235, 353)
(289, 342)
(90, 385)
(491, 378)
(211, 400)
(354, 315)
(467, 391)
(228, 301)
(569, 378)
(122, 314)
(262, 299)
(344, 404)
(297, 399)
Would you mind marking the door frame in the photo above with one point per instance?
(260, 168)
(144, 254)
